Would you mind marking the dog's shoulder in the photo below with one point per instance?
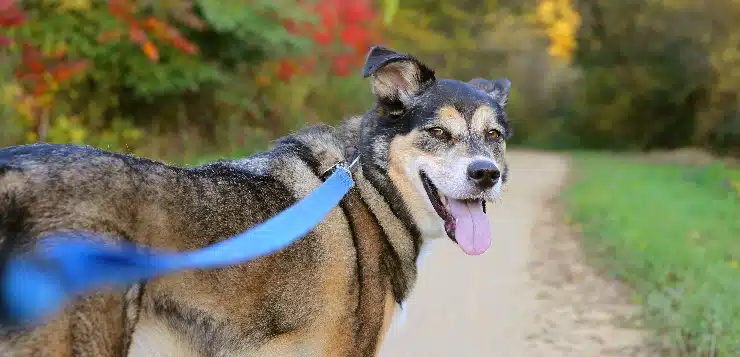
(318, 147)
(321, 142)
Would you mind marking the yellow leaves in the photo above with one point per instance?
(263, 80)
(730, 54)
(454, 12)
(44, 100)
(546, 12)
(11, 91)
(25, 108)
(561, 21)
(78, 5)
(725, 58)
(31, 137)
(734, 264)
(13, 96)
(150, 51)
(53, 49)
(561, 30)
(67, 129)
(735, 184)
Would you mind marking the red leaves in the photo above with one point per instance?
(122, 9)
(342, 64)
(343, 34)
(329, 14)
(140, 29)
(40, 73)
(10, 16)
(358, 12)
(170, 34)
(136, 34)
(351, 22)
(65, 71)
(286, 69)
(356, 37)
(184, 45)
(109, 36)
(322, 37)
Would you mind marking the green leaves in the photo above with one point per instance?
(254, 24)
(390, 7)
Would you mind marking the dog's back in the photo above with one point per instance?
(47, 188)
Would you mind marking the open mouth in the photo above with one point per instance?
(465, 221)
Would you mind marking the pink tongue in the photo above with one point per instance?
(472, 230)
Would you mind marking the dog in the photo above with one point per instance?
(431, 154)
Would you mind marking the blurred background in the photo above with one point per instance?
(181, 80)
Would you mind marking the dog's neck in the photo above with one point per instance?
(401, 232)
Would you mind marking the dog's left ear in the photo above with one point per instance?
(498, 89)
(396, 77)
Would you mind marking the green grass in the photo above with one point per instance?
(673, 234)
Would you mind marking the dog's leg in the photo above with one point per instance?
(97, 326)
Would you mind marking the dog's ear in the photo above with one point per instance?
(498, 89)
(396, 77)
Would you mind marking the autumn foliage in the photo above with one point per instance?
(352, 24)
(140, 29)
(142, 50)
(36, 68)
(344, 31)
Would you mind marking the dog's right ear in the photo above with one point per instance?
(498, 89)
(396, 77)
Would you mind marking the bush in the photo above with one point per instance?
(157, 77)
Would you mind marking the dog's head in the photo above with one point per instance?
(441, 143)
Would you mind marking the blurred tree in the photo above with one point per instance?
(653, 74)
(184, 69)
(499, 38)
(637, 74)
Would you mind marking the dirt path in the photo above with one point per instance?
(530, 295)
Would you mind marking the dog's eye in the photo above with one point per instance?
(493, 134)
(437, 132)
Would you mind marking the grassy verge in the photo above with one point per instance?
(672, 233)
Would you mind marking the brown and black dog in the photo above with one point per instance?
(431, 154)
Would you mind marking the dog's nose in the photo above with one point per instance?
(484, 173)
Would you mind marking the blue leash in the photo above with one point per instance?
(36, 285)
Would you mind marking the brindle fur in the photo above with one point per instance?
(329, 294)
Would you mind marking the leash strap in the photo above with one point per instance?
(37, 284)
